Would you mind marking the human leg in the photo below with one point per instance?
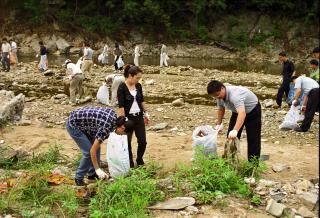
(140, 132)
(311, 108)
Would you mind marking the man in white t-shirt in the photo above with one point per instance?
(5, 50)
(14, 50)
(76, 79)
(114, 79)
(310, 88)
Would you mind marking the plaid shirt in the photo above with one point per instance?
(95, 122)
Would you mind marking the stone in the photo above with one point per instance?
(7, 153)
(303, 185)
(158, 126)
(11, 106)
(178, 102)
(150, 82)
(176, 203)
(309, 199)
(268, 103)
(279, 167)
(60, 96)
(62, 45)
(249, 180)
(266, 183)
(24, 122)
(192, 209)
(305, 212)
(48, 73)
(274, 208)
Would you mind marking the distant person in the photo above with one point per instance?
(14, 50)
(287, 73)
(314, 72)
(246, 111)
(5, 55)
(76, 80)
(316, 53)
(87, 58)
(43, 64)
(117, 52)
(89, 127)
(163, 56)
(114, 79)
(105, 54)
(136, 55)
(310, 89)
(132, 106)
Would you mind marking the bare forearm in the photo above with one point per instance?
(220, 115)
(93, 153)
(240, 120)
(297, 94)
(121, 111)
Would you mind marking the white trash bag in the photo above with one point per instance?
(120, 62)
(103, 94)
(206, 137)
(118, 155)
(291, 119)
(101, 57)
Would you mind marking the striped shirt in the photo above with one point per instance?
(95, 122)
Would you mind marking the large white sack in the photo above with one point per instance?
(120, 62)
(206, 138)
(291, 119)
(103, 94)
(118, 155)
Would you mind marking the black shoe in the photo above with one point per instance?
(93, 177)
(140, 162)
(131, 164)
(80, 182)
(298, 129)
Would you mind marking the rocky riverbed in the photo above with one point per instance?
(177, 102)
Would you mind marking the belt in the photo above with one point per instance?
(88, 59)
(136, 114)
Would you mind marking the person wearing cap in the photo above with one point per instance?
(287, 73)
(87, 58)
(114, 79)
(76, 80)
(314, 72)
(246, 111)
(89, 127)
(310, 104)
(131, 105)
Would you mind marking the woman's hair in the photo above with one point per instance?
(132, 70)
(122, 120)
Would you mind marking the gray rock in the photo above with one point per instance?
(176, 203)
(305, 212)
(274, 208)
(60, 96)
(192, 209)
(279, 167)
(268, 103)
(24, 122)
(178, 102)
(11, 107)
(303, 185)
(62, 45)
(48, 73)
(309, 199)
(158, 126)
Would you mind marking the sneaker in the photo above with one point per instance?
(298, 129)
(140, 162)
(93, 177)
(79, 182)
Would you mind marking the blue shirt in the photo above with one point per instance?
(95, 122)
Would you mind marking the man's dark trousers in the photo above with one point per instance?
(252, 123)
(284, 88)
(312, 107)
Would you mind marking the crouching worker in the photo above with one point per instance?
(310, 104)
(246, 111)
(89, 127)
(76, 80)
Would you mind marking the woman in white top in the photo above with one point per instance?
(131, 105)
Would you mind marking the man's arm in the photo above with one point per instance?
(220, 114)
(297, 94)
(240, 120)
(93, 153)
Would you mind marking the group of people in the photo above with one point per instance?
(8, 53)
(300, 90)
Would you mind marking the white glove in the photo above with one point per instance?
(219, 127)
(233, 134)
(101, 174)
(146, 115)
(295, 103)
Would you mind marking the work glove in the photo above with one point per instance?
(233, 134)
(295, 103)
(303, 108)
(146, 118)
(219, 127)
(101, 174)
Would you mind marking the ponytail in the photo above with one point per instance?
(132, 70)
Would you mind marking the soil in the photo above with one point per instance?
(168, 146)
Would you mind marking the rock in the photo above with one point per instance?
(268, 103)
(274, 208)
(249, 180)
(85, 100)
(266, 183)
(315, 180)
(7, 153)
(309, 199)
(192, 209)
(176, 203)
(150, 82)
(60, 96)
(11, 106)
(24, 122)
(158, 126)
(61, 170)
(62, 45)
(278, 195)
(305, 212)
(48, 73)
(178, 102)
(303, 185)
(279, 167)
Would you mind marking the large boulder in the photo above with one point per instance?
(11, 107)
(62, 45)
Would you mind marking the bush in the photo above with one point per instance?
(239, 39)
(203, 33)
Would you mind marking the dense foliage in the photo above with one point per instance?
(160, 19)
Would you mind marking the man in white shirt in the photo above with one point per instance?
(87, 58)
(14, 50)
(163, 56)
(76, 79)
(136, 55)
(5, 50)
(310, 89)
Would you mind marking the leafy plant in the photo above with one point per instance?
(256, 200)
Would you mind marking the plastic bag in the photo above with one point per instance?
(118, 155)
(103, 94)
(101, 57)
(291, 119)
(232, 149)
(120, 62)
(205, 137)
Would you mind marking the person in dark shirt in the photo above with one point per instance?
(131, 105)
(43, 64)
(287, 73)
(89, 127)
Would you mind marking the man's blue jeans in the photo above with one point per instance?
(85, 143)
(5, 61)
